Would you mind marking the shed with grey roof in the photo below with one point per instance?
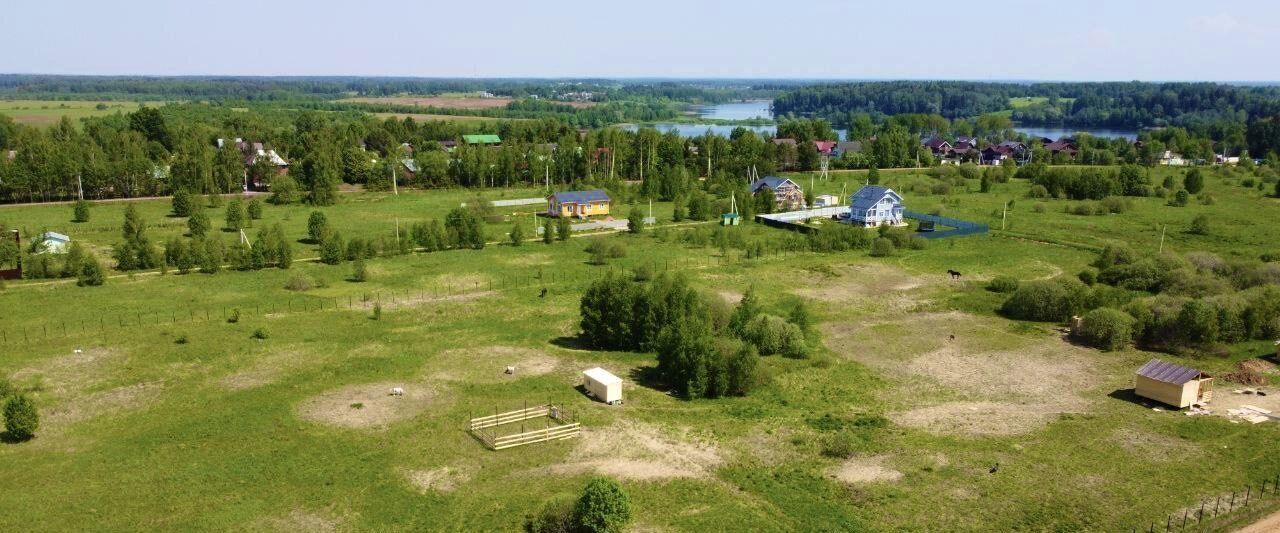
(1172, 384)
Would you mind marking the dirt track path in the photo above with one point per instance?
(1268, 524)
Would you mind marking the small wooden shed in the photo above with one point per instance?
(602, 385)
(1172, 384)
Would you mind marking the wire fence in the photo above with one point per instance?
(1220, 511)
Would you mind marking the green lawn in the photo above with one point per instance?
(223, 431)
(49, 112)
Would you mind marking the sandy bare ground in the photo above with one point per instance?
(871, 287)
(266, 369)
(71, 373)
(421, 299)
(298, 520)
(443, 479)
(108, 402)
(634, 450)
(985, 381)
(369, 405)
(860, 470)
(487, 364)
(1154, 447)
(1269, 524)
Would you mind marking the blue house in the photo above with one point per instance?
(874, 205)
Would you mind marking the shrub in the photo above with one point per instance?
(516, 235)
(260, 334)
(1003, 284)
(1194, 181)
(1038, 191)
(1087, 277)
(21, 419)
(284, 190)
(331, 248)
(359, 272)
(235, 215)
(774, 335)
(882, 247)
(1046, 301)
(1106, 328)
(1039, 207)
(183, 204)
(635, 220)
(317, 226)
(563, 228)
(91, 273)
(603, 507)
(555, 516)
(254, 209)
(377, 311)
(81, 211)
(1200, 224)
(1180, 198)
(298, 282)
(198, 225)
(235, 317)
(181, 339)
(548, 232)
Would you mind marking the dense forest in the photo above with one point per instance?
(252, 88)
(1113, 104)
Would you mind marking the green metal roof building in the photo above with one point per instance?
(482, 139)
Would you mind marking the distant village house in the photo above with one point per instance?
(580, 204)
(874, 205)
(786, 193)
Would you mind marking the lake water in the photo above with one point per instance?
(738, 110)
(762, 109)
(1055, 133)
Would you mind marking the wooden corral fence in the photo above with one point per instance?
(483, 427)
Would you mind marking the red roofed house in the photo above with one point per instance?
(824, 147)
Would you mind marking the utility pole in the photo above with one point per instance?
(1162, 228)
(80, 186)
(397, 232)
(1004, 216)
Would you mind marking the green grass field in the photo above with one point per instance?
(49, 112)
(172, 418)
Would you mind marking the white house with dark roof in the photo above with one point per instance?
(874, 205)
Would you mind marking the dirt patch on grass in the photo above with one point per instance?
(109, 402)
(425, 298)
(978, 418)
(265, 370)
(860, 470)
(443, 479)
(633, 450)
(1153, 446)
(960, 373)
(487, 364)
(732, 297)
(297, 521)
(72, 372)
(873, 286)
(369, 405)
(530, 259)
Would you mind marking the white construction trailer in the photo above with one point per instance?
(602, 385)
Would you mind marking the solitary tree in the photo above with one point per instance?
(359, 271)
(21, 419)
(182, 203)
(603, 507)
(91, 274)
(635, 220)
(81, 211)
(548, 232)
(564, 227)
(1194, 182)
(198, 224)
(517, 235)
(317, 226)
(255, 209)
(235, 215)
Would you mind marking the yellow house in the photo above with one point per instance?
(1172, 384)
(580, 204)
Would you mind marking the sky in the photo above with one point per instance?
(1085, 40)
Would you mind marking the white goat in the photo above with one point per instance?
(397, 391)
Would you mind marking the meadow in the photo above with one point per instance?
(173, 417)
(49, 112)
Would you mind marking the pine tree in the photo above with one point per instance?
(548, 231)
(255, 209)
(81, 211)
(235, 215)
(198, 224)
(317, 226)
(21, 418)
(517, 235)
(182, 203)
